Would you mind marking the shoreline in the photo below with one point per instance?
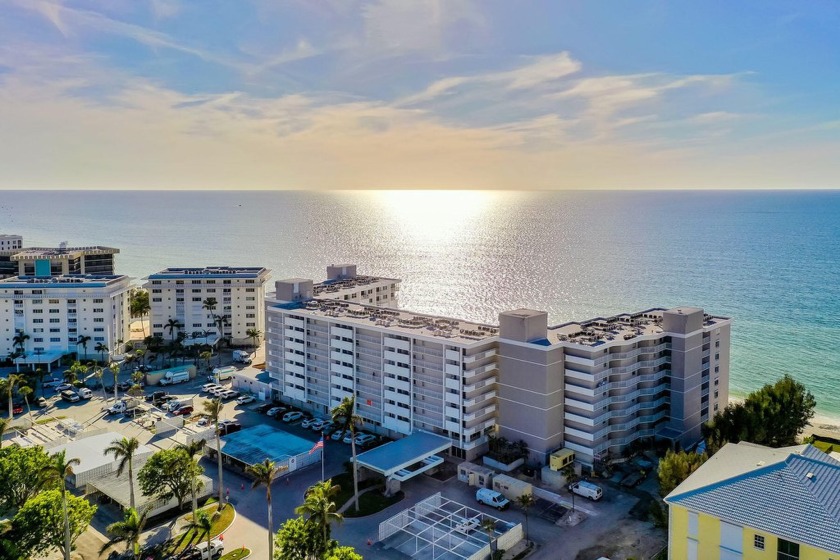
(820, 424)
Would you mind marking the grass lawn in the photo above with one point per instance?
(237, 554)
(373, 502)
(345, 482)
(220, 524)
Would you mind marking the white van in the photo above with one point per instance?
(85, 393)
(491, 498)
(223, 373)
(587, 490)
(241, 356)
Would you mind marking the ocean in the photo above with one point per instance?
(767, 259)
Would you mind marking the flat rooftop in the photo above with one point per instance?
(391, 457)
(626, 326)
(330, 287)
(396, 320)
(211, 272)
(90, 451)
(88, 280)
(255, 445)
(57, 253)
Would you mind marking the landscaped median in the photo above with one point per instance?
(371, 499)
(220, 524)
(238, 554)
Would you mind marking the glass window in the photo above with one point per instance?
(758, 542)
(787, 550)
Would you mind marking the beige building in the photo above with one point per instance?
(179, 294)
(594, 387)
(57, 261)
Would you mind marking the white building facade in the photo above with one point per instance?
(9, 242)
(180, 294)
(56, 311)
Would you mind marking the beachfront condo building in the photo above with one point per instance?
(594, 387)
(181, 294)
(752, 502)
(62, 314)
(9, 242)
(56, 261)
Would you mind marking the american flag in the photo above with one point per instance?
(319, 445)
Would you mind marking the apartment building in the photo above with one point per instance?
(343, 283)
(179, 294)
(56, 311)
(598, 386)
(57, 261)
(754, 502)
(595, 387)
(9, 241)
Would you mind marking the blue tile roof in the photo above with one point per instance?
(797, 499)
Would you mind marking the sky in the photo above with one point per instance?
(415, 94)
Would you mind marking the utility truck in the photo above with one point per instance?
(123, 406)
(175, 377)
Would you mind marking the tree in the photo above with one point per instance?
(20, 475)
(139, 306)
(343, 553)
(51, 520)
(675, 467)
(344, 415)
(115, 370)
(209, 305)
(526, 501)
(172, 325)
(320, 511)
(213, 409)
(295, 540)
(58, 469)
(488, 525)
(202, 526)
(19, 340)
(25, 392)
(264, 474)
(129, 531)
(4, 425)
(168, 474)
(8, 386)
(123, 451)
(76, 370)
(103, 349)
(83, 342)
(207, 355)
(254, 335)
(99, 372)
(193, 449)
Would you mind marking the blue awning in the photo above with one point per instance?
(401, 454)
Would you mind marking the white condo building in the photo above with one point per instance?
(179, 294)
(56, 311)
(596, 386)
(16, 260)
(8, 241)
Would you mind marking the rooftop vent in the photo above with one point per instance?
(810, 476)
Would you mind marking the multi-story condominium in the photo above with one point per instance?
(594, 387)
(344, 284)
(599, 385)
(8, 241)
(9, 245)
(180, 294)
(57, 261)
(55, 312)
(754, 502)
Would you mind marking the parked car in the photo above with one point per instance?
(42, 402)
(317, 424)
(51, 383)
(265, 407)
(365, 439)
(587, 490)
(182, 411)
(308, 421)
(157, 397)
(125, 385)
(275, 411)
(328, 427)
(17, 408)
(69, 396)
(207, 387)
(229, 427)
(64, 387)
(491, 498)
(229, 394)
(348, 437)
(338, 435)
(292, 416)
(245, 399)
(85, 393)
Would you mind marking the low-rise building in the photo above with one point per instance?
(754, 502)
(56, 261)
(48, 317)
(180, 294)
(9, 242)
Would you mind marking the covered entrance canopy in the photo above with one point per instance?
(40, 358)
(407, 457)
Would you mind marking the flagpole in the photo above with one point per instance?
(323, 449)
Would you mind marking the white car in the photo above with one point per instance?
(206, 388)
(337, 435)
(292, 416)
(217, 391)
(317, 424)
(307, 422)
(274, 411)
(364, 439)
(245, 399)
(348, 437)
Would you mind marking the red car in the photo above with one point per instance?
(17, 408)
(183, 411)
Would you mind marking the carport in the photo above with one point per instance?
(407, 457)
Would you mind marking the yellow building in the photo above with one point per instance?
(754, 502)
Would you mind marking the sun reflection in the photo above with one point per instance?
(437, 217)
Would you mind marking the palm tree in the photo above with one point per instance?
(115, 369)
(192, 449)
(9, 388)
(103, 349)
(58, 469)
(264, 473)
(209, 304)
(221, 321)
(488, 525)
(4, 425)
(319, 508)
(123, 451)
(100, 374)
(571, 477)
(83, 342)
(129, 531)
(344, 415)
(76, 370)
(39, 373)
(207, 355)
(202, 525)
(172, 325)
(25, 391)
(19, 340)
(526, 501)
(254, 334)
(213, 409)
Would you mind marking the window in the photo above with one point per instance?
(98, 309)
(692, 524)
(55, 340)
(53, 301)
(98, 301)
(99, 339)
(37, 321)
(157, 299)
(787, 550)
(36, 301)
(98, 329)
(758, 542)
(56, 320)
(95, 320)
(55, 311)
(196, 299)
(37, 311)
(37, 339)
(55, 330)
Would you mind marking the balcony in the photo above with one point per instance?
(490, 409)
(469, 373)
(480, 356)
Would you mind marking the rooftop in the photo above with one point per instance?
(90, 451)
(89, 280)
(789, 492)
(391, 457)
(57, 253)
(625, 326)
(255, 445)
(211, 272)
(396, 320)
(328, 288)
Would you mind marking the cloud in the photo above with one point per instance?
(165, 9)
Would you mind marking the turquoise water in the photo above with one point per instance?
(767, 259)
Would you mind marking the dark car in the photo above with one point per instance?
(142, 369)
(182, 411)
(125, 385)
(263, 408)
(156, 397)
(229, 428)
